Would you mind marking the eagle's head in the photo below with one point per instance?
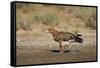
(51, 30)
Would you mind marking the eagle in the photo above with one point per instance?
(64, 38)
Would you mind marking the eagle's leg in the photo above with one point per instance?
(61, 48)
(66, 45)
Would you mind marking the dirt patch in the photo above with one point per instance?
(43, 49)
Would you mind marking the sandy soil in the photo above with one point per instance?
(36, 48)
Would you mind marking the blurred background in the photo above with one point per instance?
(38, 17)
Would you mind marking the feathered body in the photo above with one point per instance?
(63, 38)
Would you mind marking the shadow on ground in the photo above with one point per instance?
(66, 51)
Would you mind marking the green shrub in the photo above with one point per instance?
(24, 25)
(46, 19)
(36, 18)
(88, 15)
(49, 19)
(90, 24)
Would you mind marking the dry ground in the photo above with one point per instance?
(40, 48)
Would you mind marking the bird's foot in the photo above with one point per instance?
(61, 52)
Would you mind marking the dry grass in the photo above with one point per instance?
(63, 17)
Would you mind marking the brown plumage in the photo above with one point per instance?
(63, 38)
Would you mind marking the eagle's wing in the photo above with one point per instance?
(65, 36)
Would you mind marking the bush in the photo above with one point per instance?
(24, 25)
(90, 24)
(88, 15)
(36, 18)
(49, 19)
(46, 19)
